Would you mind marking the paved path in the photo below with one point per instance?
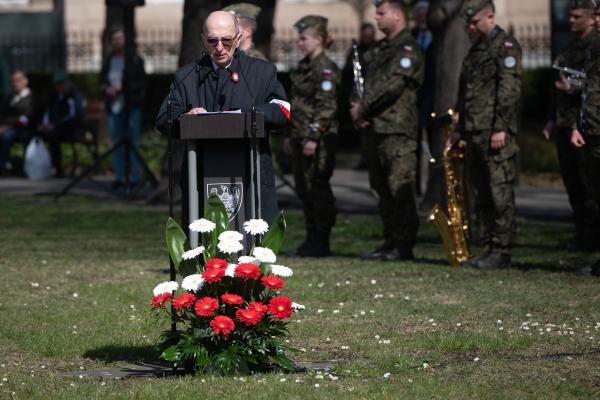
(351, 188)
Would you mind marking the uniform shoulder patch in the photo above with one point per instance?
(407, 48)
(405, 63)
(510, 62)
(327, 73)
(327, 85)
(508, 45)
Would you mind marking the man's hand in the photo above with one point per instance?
(563, 85)
(577, 138)
(498, 140)
(548, 128)
(355, 113)
(453, 139)
(197, 110)
(455, 118)
(287, 146)
(3, 129)
(310, 148)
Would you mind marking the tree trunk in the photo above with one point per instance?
(194, 14)
(113, 21)
(450, 46)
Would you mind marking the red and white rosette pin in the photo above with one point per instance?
(235, 77)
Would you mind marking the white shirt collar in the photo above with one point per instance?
(216, 67)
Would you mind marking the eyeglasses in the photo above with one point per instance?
(597, 14)
(214, 41)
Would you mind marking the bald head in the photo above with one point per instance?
(221, 37)
(221, 21)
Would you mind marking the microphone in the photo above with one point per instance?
(255, 164)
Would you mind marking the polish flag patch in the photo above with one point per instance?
(508, 45)
(408, 49)
(284, 106)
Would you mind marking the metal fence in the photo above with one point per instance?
(160, 49)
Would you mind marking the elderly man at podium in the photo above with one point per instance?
(225, 79)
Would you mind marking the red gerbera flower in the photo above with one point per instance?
(258, 307)
(280, 307)
(247, 271)
(206, 306)
(272, 282)
(183, 301)
(218, 263)
(222, 324)
(158, 301)
(248, 316)
(212, 275)
(232, 299)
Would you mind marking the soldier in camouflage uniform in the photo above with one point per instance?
(564, 115)
(246, 14)
(586, 138)
(314, 133)
(490, 88)
(394, 72)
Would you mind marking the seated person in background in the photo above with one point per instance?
(15, 115)
(63, 120)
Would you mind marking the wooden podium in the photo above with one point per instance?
(221, 160)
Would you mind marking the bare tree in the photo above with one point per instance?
(450, 46)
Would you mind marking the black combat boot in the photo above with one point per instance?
(399, 254)
(319, 247)
(494, 260)
(379, 252)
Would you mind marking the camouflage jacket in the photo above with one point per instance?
(255, 53)
(314, 99)
(576, 55)
(490, 85)
(592, 109)
(394, 73)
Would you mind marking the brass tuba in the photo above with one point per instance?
(453, 224)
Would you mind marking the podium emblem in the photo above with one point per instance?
(230, 194)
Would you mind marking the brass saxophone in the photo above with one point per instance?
(453, 224)
(359, 81)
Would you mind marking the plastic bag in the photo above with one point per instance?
(37, 160)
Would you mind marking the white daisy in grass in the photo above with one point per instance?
(165, 287)
(297, 306)
(230, 270)
(191, 254)
(264, 254)
(256, 227)
(248, 260)
(202, 225)
(230, 236)
(281, 271)
(230, 246)
(192, 282)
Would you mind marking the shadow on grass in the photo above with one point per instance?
(123, 353)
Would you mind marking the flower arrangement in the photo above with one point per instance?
(228, 317)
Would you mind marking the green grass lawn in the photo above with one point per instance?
(77, 279)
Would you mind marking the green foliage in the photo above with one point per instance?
(215, 211)
(176, 240)
(276, 234)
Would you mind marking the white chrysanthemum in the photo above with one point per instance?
(230, 236)
(165, 287)
(248, 260)
(230, 246)
(264, 254)
(190, 254)
(281, 271)
(297, 306)
(202, 225)
(230, 270)
(256, 227)
(192, 282)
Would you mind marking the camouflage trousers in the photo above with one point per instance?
(311, 178)
(492, 177)
(585, 211)
(391, 160)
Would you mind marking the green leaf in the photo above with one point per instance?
(283, 362)
(215, 211)
(274, 238)
(170, 353)
(176, 241)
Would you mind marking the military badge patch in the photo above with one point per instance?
(510, 62)
(327, 85)
(405, 62)
(508, 45)
(327, 73)
(408, 48)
